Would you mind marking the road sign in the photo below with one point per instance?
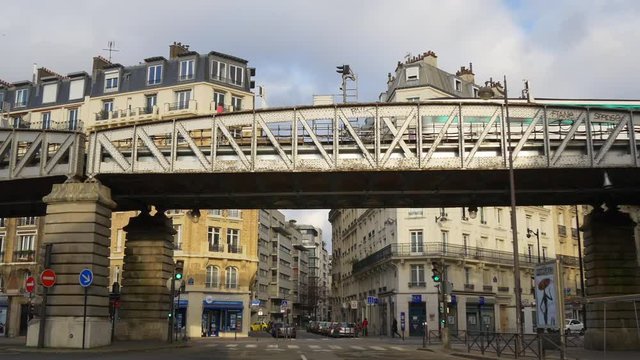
(284, 304)
(481, 300)
(48, 278)
(255, 302)
(30, 284)
(372, 300)
(402, 321)
(86, 277)
(416, 299)
(354, 304)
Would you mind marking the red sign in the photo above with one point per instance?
(48, 278)
(30, 284)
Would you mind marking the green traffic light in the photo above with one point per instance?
(178, 276)
(436, 278)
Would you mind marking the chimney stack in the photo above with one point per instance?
(466, 74)
(430, 58)
(177, 48)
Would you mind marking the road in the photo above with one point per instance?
(305, 347)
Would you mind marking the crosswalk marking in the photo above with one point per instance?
(335, 347)
(396, 348)
(314, 346)
(251, 345)
(293, 346)
(357, 347)
(231, 345)
(272, 346)
(380, 348)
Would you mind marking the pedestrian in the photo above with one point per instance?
(394, 328)
(365, 323)
(358, 327)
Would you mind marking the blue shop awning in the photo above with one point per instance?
(183, 304)
(222, 305)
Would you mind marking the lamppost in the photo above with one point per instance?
(537, 234)
(486, 93)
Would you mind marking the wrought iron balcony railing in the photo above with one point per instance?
(235, 249)
(24, 256)
(216, 248)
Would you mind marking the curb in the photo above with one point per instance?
(100, 350)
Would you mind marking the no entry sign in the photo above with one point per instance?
(48, 278)
(30, 284)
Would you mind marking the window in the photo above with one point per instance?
(214, 239)
(444, 235)
(26, 247)
(233, 241)
(412, 73)
(73, 119)
(150, 101)
(107, 106)
(22, 96)
(417, 275)
(475, 92)
(186, 69)
(1, 101)
(218, 100)
(544, 253)
(467, 275)
(49, 93)
(236, 103)
(465, 243)
(499, 216)
(457, 85)
(27, 221)
(177, 238)
(2, 235)
(46, 120)
(234, 213)
(414, 99)
(232, 278)
(560, 218)
(76, 89)
(417, 244)
(235, 75)
(218, 70)
(212, 277)
(528, 221)
(111, 81)
(154, 74)
(483, 220)
(182, 99)
(116, 274)
(215, 212)
(530, 252)
(415, 212)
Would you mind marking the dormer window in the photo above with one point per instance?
(412, 73)
(49, 93)
(186, 69)
(475, 92)
(235, 75)
(154, 74)
(22, 95)
(111, 81)
(218, 70)
(457, 85)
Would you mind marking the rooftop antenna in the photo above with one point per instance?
(111, 48)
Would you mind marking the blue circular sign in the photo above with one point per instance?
(86, 278)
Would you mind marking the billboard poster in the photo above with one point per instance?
(547, 299)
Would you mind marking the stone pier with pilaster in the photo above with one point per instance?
(612, 270)
(77, 226)
(148, 264)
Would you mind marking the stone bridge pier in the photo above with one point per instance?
(148, 264)
(612, 270)
(77, 226)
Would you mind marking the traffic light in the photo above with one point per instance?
(436, 272)
(179, 269)
(343, 69)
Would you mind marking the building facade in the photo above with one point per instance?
(219, 250)
(383, 258)
(20, 240)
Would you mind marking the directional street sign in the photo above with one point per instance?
(30, 284)
(48, 278)
(86, 277)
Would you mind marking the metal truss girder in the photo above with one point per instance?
(206, 164)
(568, 137)
(103, 143)
(157, 154)
(356, 138)
(612, 137)
(64, 148)
(483, 135)
(314, 138)
(527, 133)
(440, 136)
(397, 137)
(233, 143)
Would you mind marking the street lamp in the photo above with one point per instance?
(537, 234)
(486, 93)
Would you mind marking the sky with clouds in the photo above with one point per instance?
(565, 48)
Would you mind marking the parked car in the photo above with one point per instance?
(311, 325)
(322, 327)
(343, 329)
(573, 326)
(279, 330)
(259, 326)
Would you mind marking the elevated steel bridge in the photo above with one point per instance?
(354, 155)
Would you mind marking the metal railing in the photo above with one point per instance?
(216, 247)
(438, 249)
(24, 255)
(414, 284)
(180, 105)
(234, 249)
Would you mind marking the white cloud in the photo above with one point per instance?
(317, 218)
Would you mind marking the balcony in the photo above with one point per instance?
(562, 230)
(181, 108)
(469, 287)
(569, 260)
(488, 288)
(438, 249)
(503, 289)
(235, 249)
(216, 248)
(419, 284)
(126, 117)
(24, 256)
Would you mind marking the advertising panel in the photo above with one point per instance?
(548, 302)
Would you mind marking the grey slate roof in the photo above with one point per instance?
(430, 76)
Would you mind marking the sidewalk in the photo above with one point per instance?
(17, 344)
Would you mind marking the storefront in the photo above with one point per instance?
(4, 306)
(480, 315)
(221, 317)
